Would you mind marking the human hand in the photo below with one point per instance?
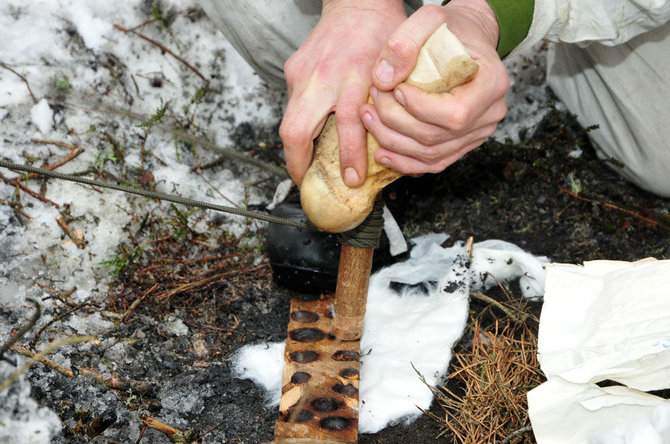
(331, 72)
(421, 132)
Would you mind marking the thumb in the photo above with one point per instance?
(398, 58)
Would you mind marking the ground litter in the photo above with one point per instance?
(412, 329)
(75, 78)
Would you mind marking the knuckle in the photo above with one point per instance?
(430, 155)
(402, 47)
(500, 111)
(459, 119)
(291, 133)
(419, 112)
(438, 167)
(431, 137)
(293, 172)
(433, 10)
(432, 167)
(503, 81)
(291, 69)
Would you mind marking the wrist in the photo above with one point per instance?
(480, 11)
(366, 5)
(513, 17)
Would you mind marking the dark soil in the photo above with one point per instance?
(532, 194)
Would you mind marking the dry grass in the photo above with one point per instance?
(487, 401)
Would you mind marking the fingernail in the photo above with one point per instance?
(399, 97)
(367, 119)
(385, 161)
(373, 93)
(350, 176)
(384, 71)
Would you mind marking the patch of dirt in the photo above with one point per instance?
(534, 194)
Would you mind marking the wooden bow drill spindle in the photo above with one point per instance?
(319, 402)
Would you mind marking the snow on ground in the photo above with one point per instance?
(69, 75)
(75, 62)
(69, 51)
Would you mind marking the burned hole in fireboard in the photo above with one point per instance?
(335, 423)
(300, 377)
(307, 335)
(326, 404)
(304, 357)
(304, 316)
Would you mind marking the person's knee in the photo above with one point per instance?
(651, 174)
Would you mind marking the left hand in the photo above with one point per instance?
(331, 72)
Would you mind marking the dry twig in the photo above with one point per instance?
(520, 318)
(19, 334)
(16, 207)
(53, 320)
(177, 436)
(638, 216)
(40, 356)
(22, 187)
(20, 76)
(43, 360)
(495, 376)
(54, 142)
(78, 239)
(117, 383)
(162, 48)
(73, 154)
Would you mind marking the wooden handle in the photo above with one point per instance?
(443, 63)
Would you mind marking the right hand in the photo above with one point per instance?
(331, 72)
(424, 133)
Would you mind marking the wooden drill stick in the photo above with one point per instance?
(351, 294)
(319, 401)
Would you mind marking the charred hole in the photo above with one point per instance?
(300, 377)
(299, 416)
(326, 404)
(346, 355)
(345, 389)
(335, 423)
(304, 316)
(349, 373)
(304, 357)
(307, 335)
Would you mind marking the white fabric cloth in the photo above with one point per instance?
(605, 320)
(609, 22)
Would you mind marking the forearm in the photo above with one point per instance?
(479, 10)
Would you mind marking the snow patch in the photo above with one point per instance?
(42, 116)
(175, 326)
(21, 419)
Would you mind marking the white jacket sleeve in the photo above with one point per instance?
(610, 22)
